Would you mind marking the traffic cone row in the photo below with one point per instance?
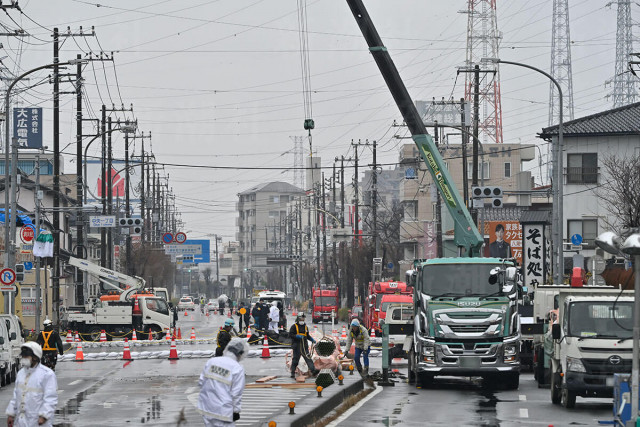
(344, 333)
(373, 332)
(173, 352)
(193, 334)
(69, 336)
(134, 337)
(168, 336)
(126, 354)
(103, 336)
(77, 338)
(79, 353)
(265, 348)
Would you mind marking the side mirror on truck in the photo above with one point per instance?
(555, 331)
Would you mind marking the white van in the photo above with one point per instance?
(8, 360)
(15, 333)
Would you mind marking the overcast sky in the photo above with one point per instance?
(219, 83)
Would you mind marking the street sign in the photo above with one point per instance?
(27, 233)
(181, 238)
(167, 238)
(576, 240)
(597, 264)
(101, 221)
(7, 276)
(26, 248)
(596, 281)
(185, 249)
(28, 266)
(390, 266)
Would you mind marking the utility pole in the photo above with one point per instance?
(374, 203)
(56, 180)
(142, 194)
(103, 194)
(324, 234)
(109, 179)
(79, 291)
(465, 143)
(317, 205)
(127, 202)
(36, 234)
(476, 123)
(436, 139)
(356, 241)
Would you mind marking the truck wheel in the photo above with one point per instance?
(512, 381)
(410, 368)
(568, 398)
(555, 388)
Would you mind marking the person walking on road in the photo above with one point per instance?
(221, 385)
(51, 345)
(243, 316)
(299, 333)
(264, 317)
(257, 314)
(35, 395)
(224, 336)
(274, 316)
(360, 335)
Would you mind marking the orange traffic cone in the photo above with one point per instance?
(134, 337)
(248, 331)
(69, 336)
(373, 333)
(207, 313)
(193, 334)
(344, 333)
(265, 348)
(168, 336)
(150, 336)
(294, 312)
(126, 355)
(179, 334)
(185, 313)
(77, 338)
(173, 353)
(136, 308)
(103, 336)
(79, 353)
(334, 332)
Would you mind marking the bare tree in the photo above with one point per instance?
(620, 193)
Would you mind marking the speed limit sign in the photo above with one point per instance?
(180, 238)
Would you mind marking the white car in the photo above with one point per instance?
(212, 305)
(186, 303)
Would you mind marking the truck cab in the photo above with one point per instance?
(591, 341)
(325, 303)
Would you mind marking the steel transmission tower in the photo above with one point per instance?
(624, 84)
(482, 42)
(561, 63)
(298, 161)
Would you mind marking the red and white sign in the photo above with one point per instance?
(7, 276)
(180, 238)
(27, 233)
(116, 251)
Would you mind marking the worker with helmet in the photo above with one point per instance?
(360, 335)
(35, 395)
(222, 383)
(274, 316)
(299, 333)
(51, 344)
(224, 335)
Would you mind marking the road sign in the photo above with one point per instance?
(28, 266)
(7, 276)
(576, 240)
(167, 238)
(27, 233)
(390, 266)
(596, 281)
(101, 221)
(598, 264)
(181, 238)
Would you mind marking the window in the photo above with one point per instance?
(275, 199)
(410, 211)
(274, 214)
(483, 170)
(587, 228)
(507, 169)
(582, 168)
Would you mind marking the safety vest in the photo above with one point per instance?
(218, 337)
(46, 336)
(304, 334)
(360, 337)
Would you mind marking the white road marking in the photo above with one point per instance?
(75, 382)
(354, 408)
(523, 397)
(190, 390)
(524, 413)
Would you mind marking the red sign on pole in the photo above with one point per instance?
(181, 238)
(27, 233)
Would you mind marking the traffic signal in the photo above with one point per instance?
(494, 193)
(19, 272)
(134, 224)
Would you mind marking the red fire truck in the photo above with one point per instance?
(374, 300)
(325, 301)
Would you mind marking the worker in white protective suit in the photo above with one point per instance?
(222, 384)
(35, 395)
(274, 315)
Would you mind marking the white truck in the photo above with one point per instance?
(116, 313)
(399, 317)
(591, 341)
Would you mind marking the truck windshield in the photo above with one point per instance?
(600, 318)
(323, 301)
(158, 305)
(452, 280)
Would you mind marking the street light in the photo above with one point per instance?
(610, 242)
(557, 226)
(9, 179)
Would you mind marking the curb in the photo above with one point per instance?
(309, 408)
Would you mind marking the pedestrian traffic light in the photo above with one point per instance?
(19, 272)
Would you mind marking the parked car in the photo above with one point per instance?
(186, 303)
(212, 305)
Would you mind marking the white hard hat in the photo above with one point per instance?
(47, 322)
(237, 347)
(34, 347)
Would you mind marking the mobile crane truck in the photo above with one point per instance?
(116, 313)
(466, 321)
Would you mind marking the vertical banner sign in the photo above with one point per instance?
(534, 255)
(505, 239)
(27, 127)
(431, 243)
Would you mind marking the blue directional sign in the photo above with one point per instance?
(27, 127)
(576, 240)
(199, 258)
